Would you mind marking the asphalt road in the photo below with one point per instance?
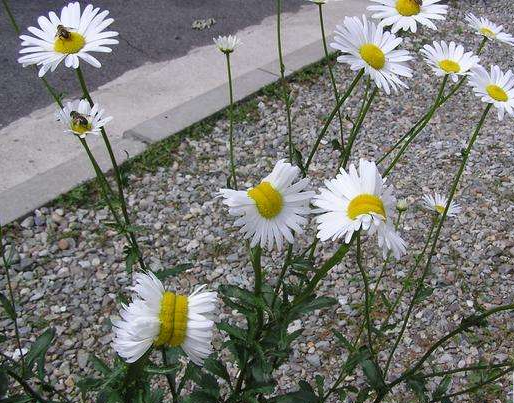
(150, 31)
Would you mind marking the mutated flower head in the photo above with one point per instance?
(272, 210)
(437, 203)
(366, 46)
(227, 44)
(70, 37)
(449, 59)
(82, 119)
(406, 14)
(157, 317)
(358, 200)
(495, 88)
(488, 29)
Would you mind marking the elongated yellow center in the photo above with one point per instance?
(497, 93)
(449, 66)
(407, 8)
(487, 32)
(373, 55)
(173, 318)
(365, 204)
(440, 209)
(73, 44)
(80, 128)
(269, 202)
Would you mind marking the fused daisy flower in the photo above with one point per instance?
(358, 200)
(489, 29)
(70, 37)
(405, 14)
(449, 59)
(227, 44)
(366, 46)
(157, 317)
(495, 88)
(80, 119)
(437, 203)
(272, 210)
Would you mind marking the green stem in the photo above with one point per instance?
(439, 227)
(330, 118)
(465, 369)
(117, 174)
(366, 104)
(418, 130)
(7, 266)
(231, 124)
(169, 378)
(367, 314)
(256, 254)
(26, 387)
(331, 72)
(285, 92)
(282, 274)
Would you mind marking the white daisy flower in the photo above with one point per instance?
(70, 37)
(227, 44)
(359, 200)
(490, 30)
(366, 46)
(157, 317)
(272, 210)
(405, 14)
(437, 203)
(449, 59)
(80, 119)
(495, 88)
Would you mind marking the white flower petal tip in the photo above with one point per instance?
(227, 44)
(449, 59)
(157, 317)
(358, 200)
(437, 204)
(81, 119)
(407, 14)
(274, 209)
(494, 87)
(70, 37)
(488, 29)
(365, 46)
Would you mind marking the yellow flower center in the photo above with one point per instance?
(80, 128)
(73, 44)
(407, 8)
(497, 93)
(440, 209)
(269, 202)
(365, 204)
(173, 318)
(373, 55)
(449, 66)
(487, 32)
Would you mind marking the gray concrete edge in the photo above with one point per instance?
(22, 199)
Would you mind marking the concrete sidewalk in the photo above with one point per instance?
(39, 162)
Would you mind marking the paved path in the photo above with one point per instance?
(38, 162)
(159, 31)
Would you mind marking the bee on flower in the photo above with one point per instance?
(359, 200)
(81, 119)
(71, 37)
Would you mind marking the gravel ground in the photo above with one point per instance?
(70, 266)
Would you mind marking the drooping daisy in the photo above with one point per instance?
(272, 210)
(80, 119)
(227, 44)
(366, 46)
(449, 59)
(495, 88)
(70, 37)
(437, 203)
(358, 200)
(157, 317)
(405, 14)
(489, 29)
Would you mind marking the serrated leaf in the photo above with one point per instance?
(320, 384)
(163, 370)
(217, 368)
(423, 294)
(232, 331)
(38, 351)
(173, 272)
(312, 305)
(442, 387)
(9, 309)
(344, 341)
(417, 385)
(99, 365)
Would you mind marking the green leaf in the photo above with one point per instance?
(163, 370)
(372, 371)
(417, 385)
(423, 294)
(199, 396)
(3, 381)
(17, 399)
(342, 394)
(99, 365)
(209, 385)
(320, 384)
(86, 385)
(9, 309)
(232, 331)
(173, 272)
(442, 387)
(311, 305)
(363, 395)
(38, 351)
(217, 368)
(192, 373)
(2, 338)
(344, 341)
(131, 258)
(336, 145)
